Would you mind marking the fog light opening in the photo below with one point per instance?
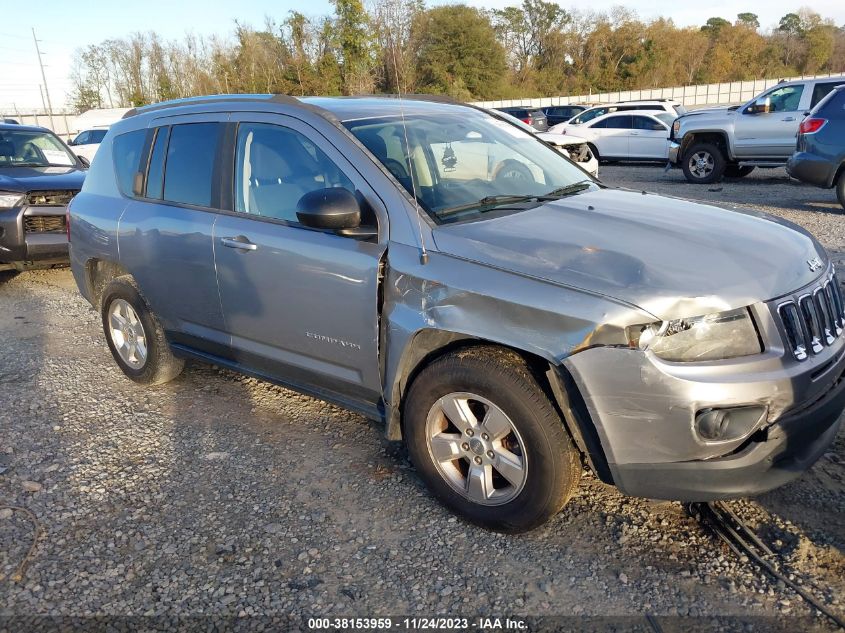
(713, 424)
(719, 425)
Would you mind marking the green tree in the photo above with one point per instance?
(457, 53)
(354, 42)
(714, 25)
(750, 20)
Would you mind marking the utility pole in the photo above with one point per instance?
(44, 79)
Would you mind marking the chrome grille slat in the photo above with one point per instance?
(813, 320)
(812, 325)
(820, 299)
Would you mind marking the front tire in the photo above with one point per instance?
(488, 442)
(703, 164)
(135, 336)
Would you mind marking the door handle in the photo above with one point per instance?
(789, 118)
(239, 242)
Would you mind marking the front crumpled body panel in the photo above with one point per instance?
(453, 299)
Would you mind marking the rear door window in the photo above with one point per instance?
(821, 90)
(127, 152)
(621, 122)
(189, 167)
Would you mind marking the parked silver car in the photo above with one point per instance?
(436, 268)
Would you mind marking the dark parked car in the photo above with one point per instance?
(820, 156)
(449, 274)
(561, 114)
(532, 116)
(38, 177)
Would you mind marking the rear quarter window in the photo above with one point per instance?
(126, 152)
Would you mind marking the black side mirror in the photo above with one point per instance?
(334, 208)
(85, 162)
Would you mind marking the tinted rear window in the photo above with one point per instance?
(189, 171)
(126, 151)
(821, 90)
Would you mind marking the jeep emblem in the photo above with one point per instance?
(814, 264)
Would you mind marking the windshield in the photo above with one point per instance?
(32, 148)
(467, 163)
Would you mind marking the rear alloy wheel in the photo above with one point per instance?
(487, 440)
(135, 336)
(735, 171)
(840, 189)
(703, 163)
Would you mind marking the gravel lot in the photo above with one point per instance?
(222, 495)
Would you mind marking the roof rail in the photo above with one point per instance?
(220, 98)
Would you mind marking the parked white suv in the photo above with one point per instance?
(88, 142)
(666, 105)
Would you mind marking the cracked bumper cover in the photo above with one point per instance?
(648, 437)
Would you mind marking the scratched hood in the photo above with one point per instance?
(668, 256)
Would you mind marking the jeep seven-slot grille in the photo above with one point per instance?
(814, 320)
(50, 198)
(44, 223)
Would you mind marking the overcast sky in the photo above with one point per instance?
(63, 26)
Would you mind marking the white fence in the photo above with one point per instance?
(732, 93)
(62, 122)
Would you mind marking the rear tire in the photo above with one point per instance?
(487, 441)
(703, 163)
(735, 171)
(135, 336)
(840, 189)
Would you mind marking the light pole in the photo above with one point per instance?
(44, 79)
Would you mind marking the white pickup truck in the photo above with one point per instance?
(716, 142)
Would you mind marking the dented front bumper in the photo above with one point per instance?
(644, 411)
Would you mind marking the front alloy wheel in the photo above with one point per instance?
(703, 163)
(476, 448)
(484, 436)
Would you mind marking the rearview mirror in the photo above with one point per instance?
(334, 208)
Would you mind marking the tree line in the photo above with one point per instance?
(535, 49)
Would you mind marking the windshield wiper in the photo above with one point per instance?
(486, 202)
(568, 190)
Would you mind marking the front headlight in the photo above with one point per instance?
(10, 199)
(676, 126)
(710, 337)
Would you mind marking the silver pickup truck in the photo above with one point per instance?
(716, 142)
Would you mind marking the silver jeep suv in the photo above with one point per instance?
(434, 267)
